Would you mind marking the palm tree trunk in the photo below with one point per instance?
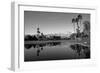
(74, 27)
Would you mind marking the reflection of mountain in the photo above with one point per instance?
(37, 45)
(41, 46)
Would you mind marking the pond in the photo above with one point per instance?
(55, 51)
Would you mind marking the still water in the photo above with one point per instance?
(55, 51)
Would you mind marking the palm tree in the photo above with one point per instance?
(80, 18)
(77, 20)
(78, 28)
(74, 21)
(86, 27)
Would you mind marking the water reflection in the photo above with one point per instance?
(40, 46)
(79, 49)
(28, 46)
(82, 51)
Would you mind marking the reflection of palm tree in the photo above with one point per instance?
(41, 48)
(77, 48)
(38, 52)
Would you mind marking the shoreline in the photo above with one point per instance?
(55, 41)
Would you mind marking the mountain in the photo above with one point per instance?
(59, 34)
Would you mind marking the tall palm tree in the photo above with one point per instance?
(79, 20)
(74, 21)
(80, 17)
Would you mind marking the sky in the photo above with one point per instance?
(50, 22)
